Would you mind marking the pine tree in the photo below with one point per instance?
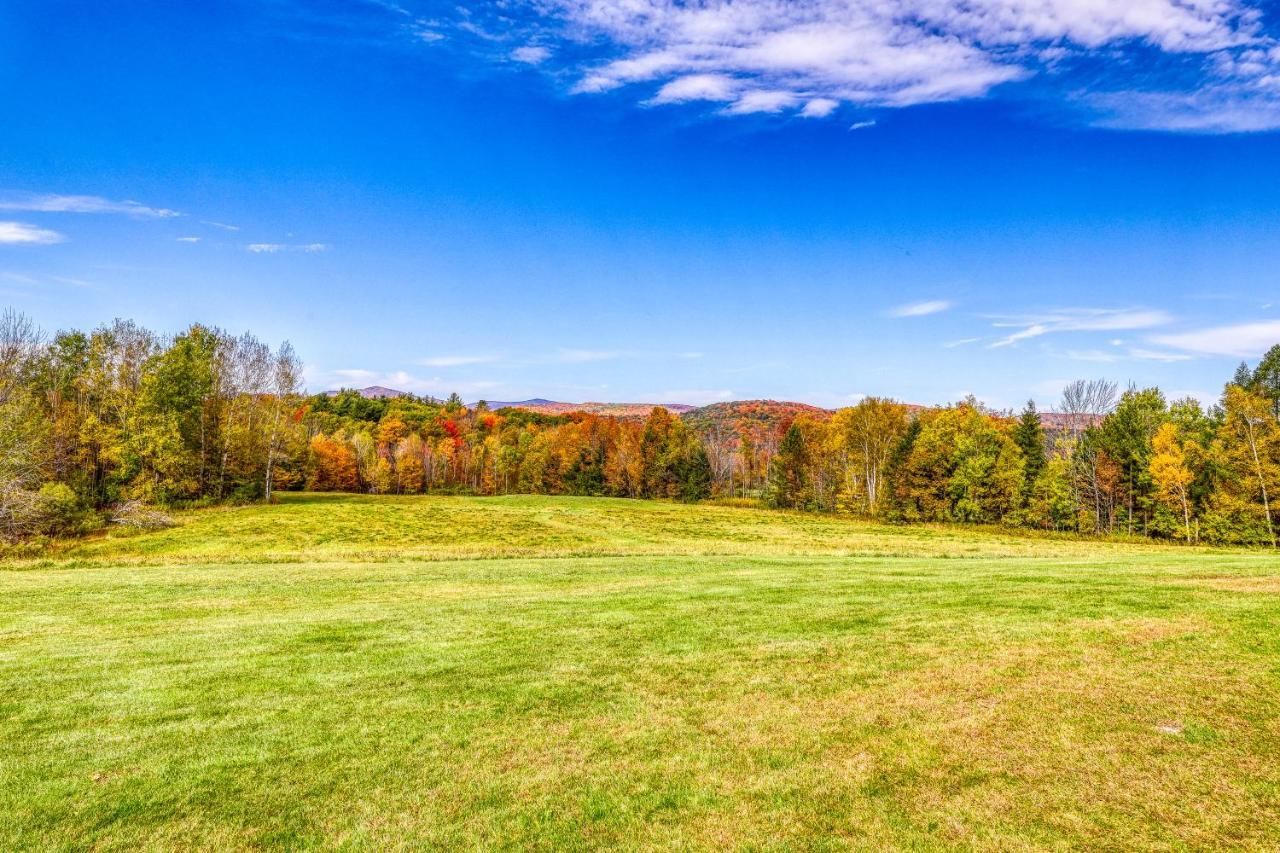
(1266, 379)
(1028, 434)
(1243, 377)
(786, 484)
(694, 473)
(898, 501)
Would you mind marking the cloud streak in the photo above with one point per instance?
(20, 233)
(48, 203)
(1077, 320)
(1243, 340)
(275, 248)
(921, 309)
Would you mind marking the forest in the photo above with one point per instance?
(114, 425)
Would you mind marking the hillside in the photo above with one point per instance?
(763, 420)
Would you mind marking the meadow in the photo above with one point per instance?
(550, 673)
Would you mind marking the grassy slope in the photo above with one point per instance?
(357, 671)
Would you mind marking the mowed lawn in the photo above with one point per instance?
(361, 672)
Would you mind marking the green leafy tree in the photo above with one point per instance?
(1125, 436)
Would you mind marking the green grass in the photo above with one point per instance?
(569, 672)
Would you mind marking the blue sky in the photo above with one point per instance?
(631, 200)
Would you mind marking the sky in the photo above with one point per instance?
(639, 201)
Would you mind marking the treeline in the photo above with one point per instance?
(407, 445)
(1132, 463)
(95, 426)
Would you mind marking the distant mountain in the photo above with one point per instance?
(520, 404)
(616, 410)
(375, 392)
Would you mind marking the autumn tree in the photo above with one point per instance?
(1171, 474)
(868, 433)
(333, 466)
(1248, 450)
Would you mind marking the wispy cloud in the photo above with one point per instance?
(188, 239)
(273, 248)
(48, 203)
(921, 309)
(15, 233)
(1076, 320)
(1215, 69)
(819, 107)
(1244, 340)
(222, 225)
(530, 54)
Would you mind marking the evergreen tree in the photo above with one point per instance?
(1266, 379)
(1243, 377)
(786, 485)
(1028, 434)
(898, 502)
(694, 473)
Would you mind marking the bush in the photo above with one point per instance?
(60, 512)
(138, 515)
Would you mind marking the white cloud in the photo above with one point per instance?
(762, 101)
(819, 107)
(12, 233)
(697, 87)
(456, 360)
(1035, 330)
(921, 309)
(222, 225)
(862, 125)
(1077, 320)
(1245, 340)
(273, 248)
(188, 239)
(48, 203)
(530, 54)
(1218, 71)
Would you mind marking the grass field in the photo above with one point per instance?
(573, 672)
